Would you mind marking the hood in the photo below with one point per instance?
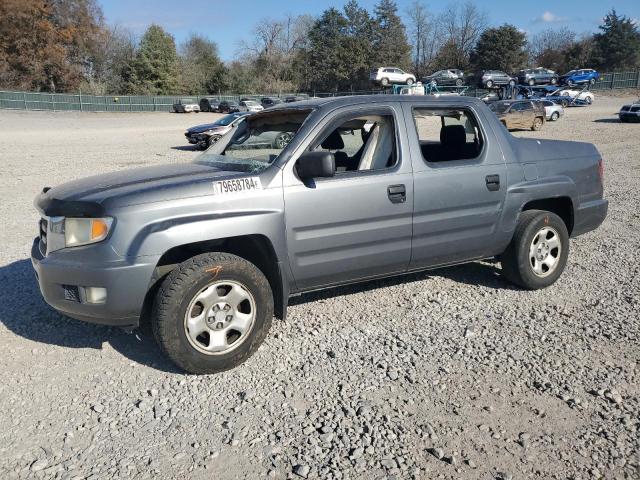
(205, 127)
(91, 195)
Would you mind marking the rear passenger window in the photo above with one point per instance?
(446, 135)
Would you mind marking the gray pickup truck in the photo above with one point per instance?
(368, 187)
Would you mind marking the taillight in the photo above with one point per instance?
(601, 171)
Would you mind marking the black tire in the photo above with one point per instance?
(384, 82)
(532, 82)
(489, 83)
(537, 124)
(588, 100)
(592, 81)
(512, 83)
(516, 265)
(555, 116)
(181, 287)
(409, 81)
(281, 140)
(554, 81)
(459, 82)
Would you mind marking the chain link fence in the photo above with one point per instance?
(143, 103)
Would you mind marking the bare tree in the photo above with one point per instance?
(420, 26)
(273, 48)
(462, 25)
(551, 39)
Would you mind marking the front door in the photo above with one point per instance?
(357, 224)
(459, 185)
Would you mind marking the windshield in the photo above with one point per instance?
(227, 119)
(250, 103)
(500, 107)
(256, 142)
(571, 72)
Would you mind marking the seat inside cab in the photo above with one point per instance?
(447, 135)
(364, 143)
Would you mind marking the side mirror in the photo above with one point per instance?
(316, 165)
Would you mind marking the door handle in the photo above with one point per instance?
(397, 193)
(493, 182)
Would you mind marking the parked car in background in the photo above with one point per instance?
(586, 96)
(519, 114)
(552, 111)
(267, 102)
(250, 106)
(186, 105)
(630, 112)
(537, 76)
(495, 78)
(294, 98)
(576, 77)
(389, 75)
(209, 104)
(228, 106)
(205, 135)
(451, 76)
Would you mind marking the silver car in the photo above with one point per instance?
(552, 111)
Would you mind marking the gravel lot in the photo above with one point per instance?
(447, 374)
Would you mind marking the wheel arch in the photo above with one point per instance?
(561, 206)
(255, 248)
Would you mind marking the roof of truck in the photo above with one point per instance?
(368, 99)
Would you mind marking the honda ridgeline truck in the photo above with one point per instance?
(368, 187)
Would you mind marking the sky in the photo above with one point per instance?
(228, 22)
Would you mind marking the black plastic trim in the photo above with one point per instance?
(53, 207)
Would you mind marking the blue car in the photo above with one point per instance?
(575, 77)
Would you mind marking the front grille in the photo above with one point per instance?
(44, 225)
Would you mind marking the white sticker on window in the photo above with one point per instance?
(236, 185)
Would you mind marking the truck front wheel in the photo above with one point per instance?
(537, 254)
(212, 312)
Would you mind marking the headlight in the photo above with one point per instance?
(83, 231)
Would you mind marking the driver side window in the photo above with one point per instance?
(362, 143)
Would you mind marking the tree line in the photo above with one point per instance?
(66, 46)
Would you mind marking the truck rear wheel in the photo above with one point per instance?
(538, 252)
(212, 312)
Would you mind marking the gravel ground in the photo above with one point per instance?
(447, 374)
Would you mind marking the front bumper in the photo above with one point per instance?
(589, 216)
(127, 282)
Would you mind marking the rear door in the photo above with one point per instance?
(527, 115)
(514, 117)
(459, 186)
(357, 224)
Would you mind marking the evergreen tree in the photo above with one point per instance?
(328, 58)
(617, 47)
(390, 37)
(156, 64)
(359, 44)
(501, 48)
